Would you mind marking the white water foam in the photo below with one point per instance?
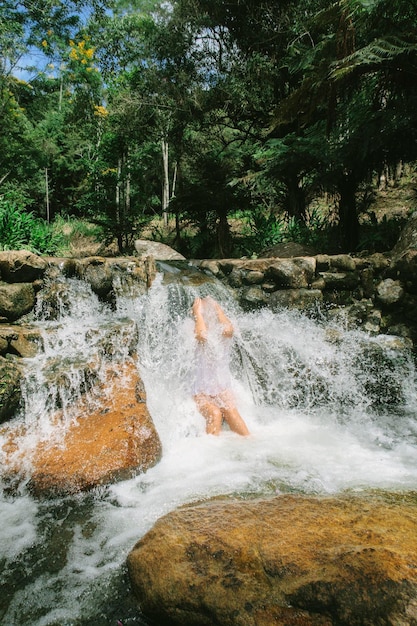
(329, 410)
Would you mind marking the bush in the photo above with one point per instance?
(20, 228)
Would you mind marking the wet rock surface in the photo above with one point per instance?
(290, 560)
(16, 300)
(21, 340)
(10, 393)
(110, 437)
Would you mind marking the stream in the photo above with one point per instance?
(330, 410)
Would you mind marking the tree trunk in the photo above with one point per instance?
(127, 220)
(348, 215)
(224, 240)
(48, 208)
(295, 202)
(119, 217)
(165, 181)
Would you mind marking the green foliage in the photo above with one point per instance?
(20, 228)
(15, 221)
(263, 106)
(266, 229)
(380, 236)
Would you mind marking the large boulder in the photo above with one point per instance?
(108, 439)
(290, 560)
(120, 275)
(16, 300)
(21, 266)
(159, 251)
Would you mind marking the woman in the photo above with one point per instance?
(212, 389)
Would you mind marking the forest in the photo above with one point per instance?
(220, 128)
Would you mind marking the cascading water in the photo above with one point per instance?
(329, 410)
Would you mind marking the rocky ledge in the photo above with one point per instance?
(105, 437)
(291, 560)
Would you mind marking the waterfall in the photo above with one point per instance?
(329, 410)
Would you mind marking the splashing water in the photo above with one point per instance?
(329, 410)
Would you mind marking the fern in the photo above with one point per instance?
(379, 51)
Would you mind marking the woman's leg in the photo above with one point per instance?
(211, 413)
(235, 421)
(232, 415)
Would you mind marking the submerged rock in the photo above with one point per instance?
(110, 437)
(290, 560)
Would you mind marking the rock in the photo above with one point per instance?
(342, 262)
(406, 268)
(209, 265)
(16, 300)
(22, 341)
(378, 261)
(254, 296)
(407, 240)
(288, 250)
(96, 272)
(10, 392)
(404, 254)
(340, 280)
(254, 277)
(21, 266)
(291, 560)
(100, 278)
(62, 265)
(121, 275)
(389, 291)
(322, 262)
(160, 251)
(4, 345)
(295, 298)
(292, 273)
(109, 439)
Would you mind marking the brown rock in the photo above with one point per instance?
(295, 298)
(23, 341)
(389, 291)
(290, 560)
(96, 271)
(21, 266)
(16, 300)
(109, 442)
(159, 251)
(288, 250)
(295, 273)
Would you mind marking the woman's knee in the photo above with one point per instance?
(214, 419)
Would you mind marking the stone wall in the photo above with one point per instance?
(376, 292)
(24, 276)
